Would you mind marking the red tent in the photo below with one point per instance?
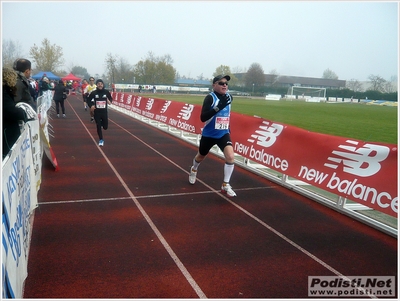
(71, 77)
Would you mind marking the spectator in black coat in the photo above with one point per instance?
(23, 69)
(44, 85)
(11, 114)
(60, 94)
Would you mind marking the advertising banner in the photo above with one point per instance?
(360, 171)
(45, 101)
(19, 197)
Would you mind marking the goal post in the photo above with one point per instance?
(311, 94)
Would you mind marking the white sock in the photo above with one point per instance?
(195, 164)
(228, 170)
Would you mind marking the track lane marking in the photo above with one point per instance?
(270, 228)
(163, 241)
(273, 230)
(147, 196)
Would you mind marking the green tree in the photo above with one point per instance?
(329, 74)
(80, 72)
(48, 57)
(255, 76)
(226, 70)
(155, 70)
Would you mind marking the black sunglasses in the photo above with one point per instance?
(222, 83)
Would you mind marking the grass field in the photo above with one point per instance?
(352, 120)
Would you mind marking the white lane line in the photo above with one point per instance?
(147, 196)
(167, 247)
(276, 232)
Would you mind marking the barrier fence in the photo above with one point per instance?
(346, 174)
(21, 179)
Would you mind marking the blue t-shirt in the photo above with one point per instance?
(218, 125)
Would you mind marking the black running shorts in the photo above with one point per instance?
(206, 143)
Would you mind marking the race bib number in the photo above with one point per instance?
(222, 123)
(101, 104)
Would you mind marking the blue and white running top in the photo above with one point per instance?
(218, 125)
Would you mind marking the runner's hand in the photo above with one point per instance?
(224, 101)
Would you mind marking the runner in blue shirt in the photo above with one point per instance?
(215, 113)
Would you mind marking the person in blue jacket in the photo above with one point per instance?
(215, 113)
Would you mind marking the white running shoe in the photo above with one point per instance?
(101, 142)
(226, 188)
(192, 176)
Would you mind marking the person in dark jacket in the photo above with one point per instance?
(98, 102)
(44, 85)
(23, 69)
(60, 94)
(11, 114)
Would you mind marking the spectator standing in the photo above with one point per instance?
(98, 102)
(75, 86)
(11, 114)
(89, 89)
(23, 69)
(83, 87)
(215, 113)
(44, 85)
(60, 94)
(35, 89)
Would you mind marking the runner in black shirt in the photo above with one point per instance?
(98, 102)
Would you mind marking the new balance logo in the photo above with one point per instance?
(129, 100)
(362, 161)
(149, 104)
(165, 107)
(267, 134)
(138, 101)
(186, 112)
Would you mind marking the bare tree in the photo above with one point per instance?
(110, 66)
(274, 76)
(354, 85)
(124, 71)
(238, 69)
(48, 57)
(391, 85)
(10, 51)
(377, 83)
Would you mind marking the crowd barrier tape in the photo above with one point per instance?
(363, 172)
(21, 180)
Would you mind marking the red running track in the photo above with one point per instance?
(122, 221)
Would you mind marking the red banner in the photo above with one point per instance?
(363, 172)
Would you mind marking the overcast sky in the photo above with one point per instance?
(353, 39)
